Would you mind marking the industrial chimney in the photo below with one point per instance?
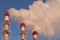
(6, 26)
(22, 34)
(34, 35)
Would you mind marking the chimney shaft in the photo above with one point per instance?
(22, 34)
(34, 35)
(6, 26)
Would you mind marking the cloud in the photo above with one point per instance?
(58, 1)
(42, 17)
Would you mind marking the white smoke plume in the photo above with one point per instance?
(42, 17)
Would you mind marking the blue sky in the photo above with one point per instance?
(18, 4)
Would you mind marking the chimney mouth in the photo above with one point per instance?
(22, 24)
(6, 13)
(34, 32)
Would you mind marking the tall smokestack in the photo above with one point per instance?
(22, 26)
(6, 26)
(34, 35)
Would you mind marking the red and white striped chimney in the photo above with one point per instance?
(6, 26)
(6, 15)
(6, 23)
(22, 26)
(22, 34)
(35, 35)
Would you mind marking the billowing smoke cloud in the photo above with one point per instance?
(42, 17)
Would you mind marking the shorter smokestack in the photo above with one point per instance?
(34, 35)
(22, 34)
(22, 26)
